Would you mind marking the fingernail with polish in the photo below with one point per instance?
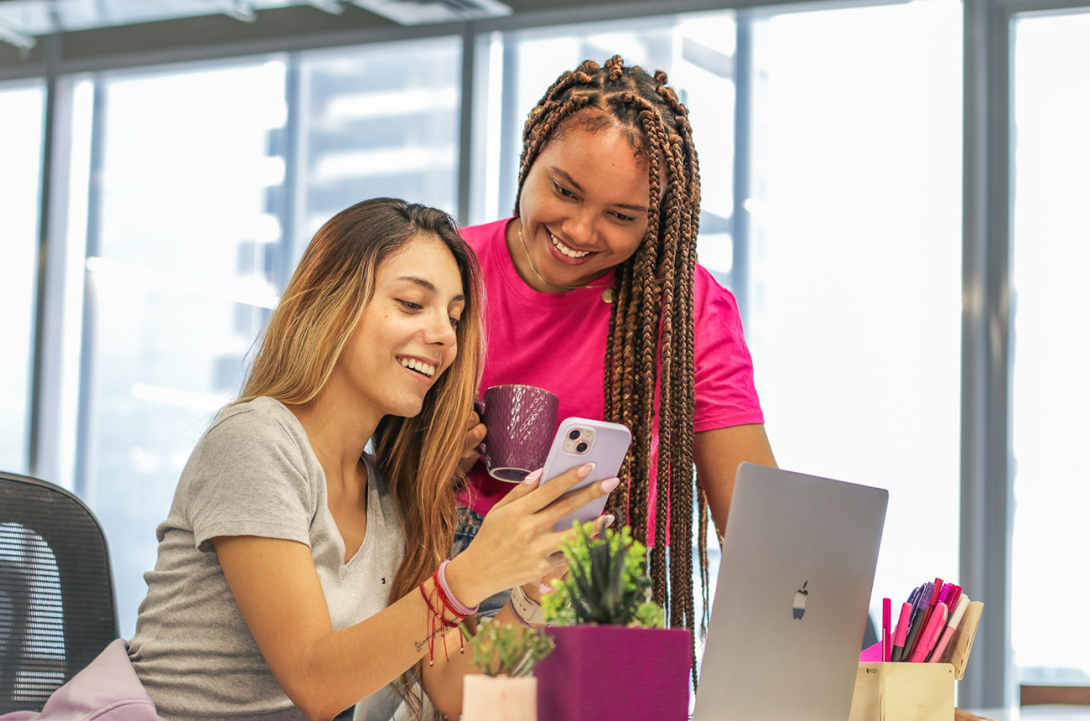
(544, 588)
(610, 483)
(609, 519)
(532, 476)
(584, 470)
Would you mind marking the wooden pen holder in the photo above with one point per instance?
(903, 692)
(915, 691)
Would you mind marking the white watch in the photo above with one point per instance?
(527, 608)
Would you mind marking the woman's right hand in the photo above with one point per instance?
(516, 543)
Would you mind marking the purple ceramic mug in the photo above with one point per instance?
(521, 421)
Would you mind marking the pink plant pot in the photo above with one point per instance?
(598, 673)
(500, 698)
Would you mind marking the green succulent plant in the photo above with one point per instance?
(500, 650)
(607, 582)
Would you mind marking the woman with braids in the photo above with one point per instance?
(298, 576)
(594, 292)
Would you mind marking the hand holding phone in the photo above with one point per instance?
(579, 441)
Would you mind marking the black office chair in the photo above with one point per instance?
(57, 609)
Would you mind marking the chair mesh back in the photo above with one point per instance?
(57, 608)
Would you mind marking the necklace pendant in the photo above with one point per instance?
(607, 295)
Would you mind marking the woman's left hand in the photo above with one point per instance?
(536, 589)
(475, 433)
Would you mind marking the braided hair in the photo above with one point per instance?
(650, 342)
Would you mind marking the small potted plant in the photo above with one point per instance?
(613, 657)
(504, 690)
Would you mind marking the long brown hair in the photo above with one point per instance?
(653, 288)
(308, 330)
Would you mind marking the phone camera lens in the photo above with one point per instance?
(582, 447)
(573, 435)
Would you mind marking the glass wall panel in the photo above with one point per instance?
(184, 232)
(855, 263)
(1049, 305)
(205, 191)
(380, 120)
(21, 111)
(851, 292)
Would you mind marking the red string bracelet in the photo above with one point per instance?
(449, 624)
(448, 605)
(437, 623)
(429, 628)
(454, 611)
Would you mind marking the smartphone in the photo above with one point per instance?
(579, 441)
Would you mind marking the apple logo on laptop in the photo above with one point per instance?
(800, 601)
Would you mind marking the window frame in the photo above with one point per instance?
(986, 464)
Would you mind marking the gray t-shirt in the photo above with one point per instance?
(253, 473)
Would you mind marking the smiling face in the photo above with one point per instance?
(583, 208)
(405, 338)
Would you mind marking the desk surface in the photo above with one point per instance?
(1038, 713)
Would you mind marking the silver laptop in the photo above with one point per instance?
(791, 602)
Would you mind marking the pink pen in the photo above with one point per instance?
(952, 602)
(887, 647)
(951, 627)
(902, 630)
(930, 634)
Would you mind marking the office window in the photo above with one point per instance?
(209, 183)
(381, 120)
(851, 288)
(183, 243)
(21, 108)
(854, 282)
(1049, 306)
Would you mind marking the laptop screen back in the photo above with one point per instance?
(791, 600)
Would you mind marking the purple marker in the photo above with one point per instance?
(918, 614)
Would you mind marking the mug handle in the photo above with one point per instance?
(478, 406)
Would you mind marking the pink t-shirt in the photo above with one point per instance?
(557, 341)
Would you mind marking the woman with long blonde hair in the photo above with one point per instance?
(298, 575)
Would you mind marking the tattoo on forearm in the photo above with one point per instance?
(420, 645)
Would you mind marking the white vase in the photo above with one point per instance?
(499, 698)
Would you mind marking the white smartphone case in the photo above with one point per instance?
(606, 443)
